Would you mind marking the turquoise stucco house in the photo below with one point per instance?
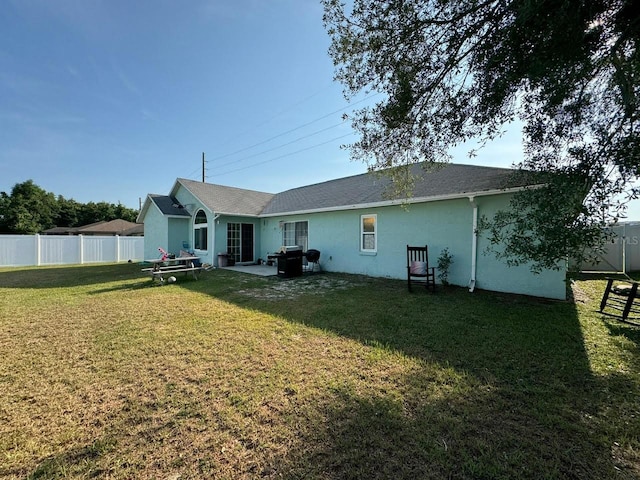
(351, 222)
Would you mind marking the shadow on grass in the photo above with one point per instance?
(501, 387)
(528, 408)
(78, 462)
(480, 435)
(627, 329)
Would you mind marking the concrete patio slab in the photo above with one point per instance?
(261, 270)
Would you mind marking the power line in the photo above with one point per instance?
(293, 129)
(279, 113)
(280, 146)
(283, 156)
(193, 172)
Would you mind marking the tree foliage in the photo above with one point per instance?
(30, 209)
(451, 71)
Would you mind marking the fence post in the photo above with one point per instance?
(117, 248)
(624, 248)
(81, 248)
(38, 249)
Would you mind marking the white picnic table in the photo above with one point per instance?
(162, 267)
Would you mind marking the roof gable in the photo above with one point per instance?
(227, 200)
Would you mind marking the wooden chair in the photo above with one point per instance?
(418, 270)
(621, 297)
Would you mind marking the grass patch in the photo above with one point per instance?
(327, 376)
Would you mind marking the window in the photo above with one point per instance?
(368, 234)
(200, 229)
(296, 233)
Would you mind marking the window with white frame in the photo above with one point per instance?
(368, 233)
(200, 231)
(296, 233)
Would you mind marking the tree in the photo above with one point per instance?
(68, 212)
(125, 213)
(96, 212)
(4, 208)
(30, 209)
(452, 71)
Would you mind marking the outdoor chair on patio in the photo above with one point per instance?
(621, 297)
(418, 270)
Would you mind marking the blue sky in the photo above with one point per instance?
(111, 100)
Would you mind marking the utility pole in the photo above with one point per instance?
(203, 175)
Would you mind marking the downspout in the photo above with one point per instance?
(474, 244)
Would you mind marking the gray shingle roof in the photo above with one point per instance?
(446, 180)
(229, 200)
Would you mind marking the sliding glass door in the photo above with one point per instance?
(240, 242)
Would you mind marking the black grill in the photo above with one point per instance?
(289, 263)
(312, 255)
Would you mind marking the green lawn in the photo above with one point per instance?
(329, 376)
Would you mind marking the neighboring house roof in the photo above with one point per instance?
(227, 200)
(113, 227)
(441, 181)
(60, 231)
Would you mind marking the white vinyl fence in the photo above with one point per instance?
(622, 253)
(29, 250)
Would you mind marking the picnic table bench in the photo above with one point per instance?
(164, 268)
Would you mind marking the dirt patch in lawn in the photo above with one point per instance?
(284, 289)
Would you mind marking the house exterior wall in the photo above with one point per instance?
(179, 231)
(438, 224)
(156, 232)
(337, 236)
(493, 274)
(441, 224)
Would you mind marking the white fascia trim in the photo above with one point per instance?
(246, 215)
(143, 211)
(388, 203)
